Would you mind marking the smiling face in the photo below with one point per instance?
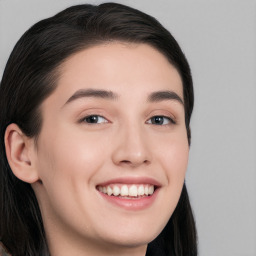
(112, 153)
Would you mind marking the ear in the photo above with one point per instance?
(20, 152)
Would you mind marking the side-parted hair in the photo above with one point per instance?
(31, 75)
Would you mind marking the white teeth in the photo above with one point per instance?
(109, 190)
(140, 190)
(124, 190)
(116, 191)
(151, 190)
(146, 190)
(127, 190)
(133, 191)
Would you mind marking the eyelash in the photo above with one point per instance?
(96, 117)
(163, 120)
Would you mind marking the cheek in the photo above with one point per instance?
(177, 159)
(173, 157)
(67, 165)
(176, 166)
(68, 161)
(69, 153)
(173, 154)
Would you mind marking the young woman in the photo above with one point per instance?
(95, 110)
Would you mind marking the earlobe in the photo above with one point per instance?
(19, 151)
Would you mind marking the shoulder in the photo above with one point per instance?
(3, 251)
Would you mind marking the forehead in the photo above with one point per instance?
(124, 68)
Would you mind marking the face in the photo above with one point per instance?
(112, 153)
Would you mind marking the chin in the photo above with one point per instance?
(133, 237)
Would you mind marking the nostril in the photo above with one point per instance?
(126, 161)
(134, 163)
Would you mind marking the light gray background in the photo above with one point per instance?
(219, 40)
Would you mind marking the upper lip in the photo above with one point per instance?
(132, 180)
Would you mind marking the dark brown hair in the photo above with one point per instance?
(31, 75)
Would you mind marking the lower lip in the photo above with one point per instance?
(131, 204)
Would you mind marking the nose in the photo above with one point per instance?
(131, 148)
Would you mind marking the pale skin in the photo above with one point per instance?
(118, 84)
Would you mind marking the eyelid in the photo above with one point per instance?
(82, 120)
(171, 120)
(163, 112)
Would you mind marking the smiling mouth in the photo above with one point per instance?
(128, 191)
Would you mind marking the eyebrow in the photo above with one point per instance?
(84, 93)
(109, 95)
(164, 95)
